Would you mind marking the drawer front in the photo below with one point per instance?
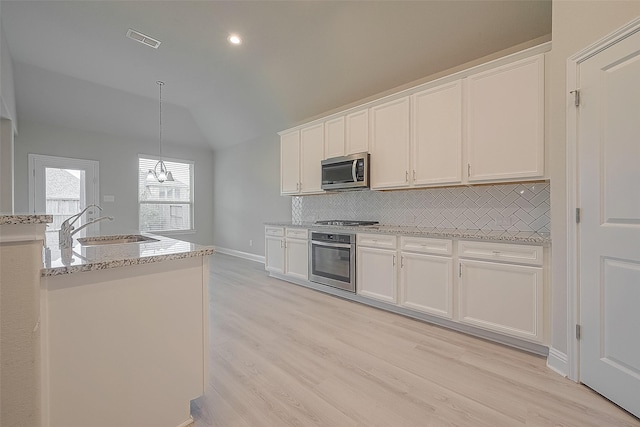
(426, 245)
(522, 254)
(297, 233)
(384, 241)
(274, 231)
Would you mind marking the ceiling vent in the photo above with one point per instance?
(142, 38)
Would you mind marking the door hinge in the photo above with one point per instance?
(576, 97)
(578, 332)
(578, 212)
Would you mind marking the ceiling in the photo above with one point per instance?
(74, 67)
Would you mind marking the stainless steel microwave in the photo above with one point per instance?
(346, 173)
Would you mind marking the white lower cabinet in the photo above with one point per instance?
(274, 254)
(492, 286)
(287, 252)
(502, 297)
(426, 275)
(297, 253)
(376, 273)
(376, 267)
(426, 283)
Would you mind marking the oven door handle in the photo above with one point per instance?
(331, 245)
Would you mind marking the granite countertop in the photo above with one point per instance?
(81, 258)
(25, 219)
(495, 236)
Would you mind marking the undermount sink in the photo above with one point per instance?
(115, 240)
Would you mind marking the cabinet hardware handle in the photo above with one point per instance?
(496, 252)
(394, 260)
(414, 175)
(460, 270)
(353, 170)
(468, 170)
(406, 176)
(401, 262)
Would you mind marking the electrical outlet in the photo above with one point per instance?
(250, 242)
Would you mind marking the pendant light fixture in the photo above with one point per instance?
(159, 172)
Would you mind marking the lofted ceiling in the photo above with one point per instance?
(74, 67)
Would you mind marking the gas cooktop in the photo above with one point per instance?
(346, 222)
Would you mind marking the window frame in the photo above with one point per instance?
(191, 203)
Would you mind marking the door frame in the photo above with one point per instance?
(573, 202)
(61, 162)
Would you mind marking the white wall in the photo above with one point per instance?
(8, 125)
(246, 190)
(118, 157)
(6, 165)
(7, 89)
(576, 25)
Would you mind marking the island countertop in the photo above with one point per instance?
(11, 219)
(82, 258)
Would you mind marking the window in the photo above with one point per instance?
(165, 206)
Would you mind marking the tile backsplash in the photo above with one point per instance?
(511, 207)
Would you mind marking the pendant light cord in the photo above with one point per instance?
(160, 83)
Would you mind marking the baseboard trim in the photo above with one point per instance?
(187, 423)
(558, 361)
(240, 254)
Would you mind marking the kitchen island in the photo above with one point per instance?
(124, 331)
(21, 242)
(108, 333)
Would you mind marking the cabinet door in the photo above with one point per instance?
(437, 135)
(334, 137)
(376, 274)
(390, 144)
(274, 254)
(502, 297)
(297, 253)
(505, 122)
(290, 163)
(357, 132)
(426, 284)
(311, 154)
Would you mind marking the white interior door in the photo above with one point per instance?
(609, 231)
(63, 187)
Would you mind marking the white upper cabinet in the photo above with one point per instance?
(390, 144)
(436, 137)
(478, 126)
(505, 122)
(334, 144)
(290, 163)
(300, 155)
(311, 154)
(357, 132)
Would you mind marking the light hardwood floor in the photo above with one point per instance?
(285, 355)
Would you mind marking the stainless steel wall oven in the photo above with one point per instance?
(332, 259)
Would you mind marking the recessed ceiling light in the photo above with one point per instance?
(234, 39)
(143, 38)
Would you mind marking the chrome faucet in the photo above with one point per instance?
(67, 230)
